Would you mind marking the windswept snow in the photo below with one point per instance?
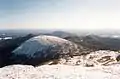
(60, 72)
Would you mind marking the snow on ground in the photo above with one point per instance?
(60, 72)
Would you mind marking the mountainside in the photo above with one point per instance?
(44, 48)
(85, 44)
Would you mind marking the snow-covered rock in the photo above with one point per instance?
(60, 72)
(101, 57)
(96, 58)
(43, 48)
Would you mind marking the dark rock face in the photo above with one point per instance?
(118, 58)
(40, 49)
(7, 46)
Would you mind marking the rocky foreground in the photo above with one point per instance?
(60, 72)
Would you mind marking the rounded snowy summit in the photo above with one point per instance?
(43, 48)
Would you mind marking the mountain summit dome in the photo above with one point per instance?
(43, 48)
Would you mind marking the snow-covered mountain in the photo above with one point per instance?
(43, 48)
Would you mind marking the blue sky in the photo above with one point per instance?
(60, 14)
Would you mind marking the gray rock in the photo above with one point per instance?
(118, 58)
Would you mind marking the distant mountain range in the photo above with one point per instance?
(94, 42)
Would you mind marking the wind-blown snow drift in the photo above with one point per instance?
(60, 72)
(43, 48)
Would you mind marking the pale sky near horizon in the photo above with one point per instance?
(60, 14)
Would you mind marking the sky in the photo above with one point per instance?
(60, 14)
